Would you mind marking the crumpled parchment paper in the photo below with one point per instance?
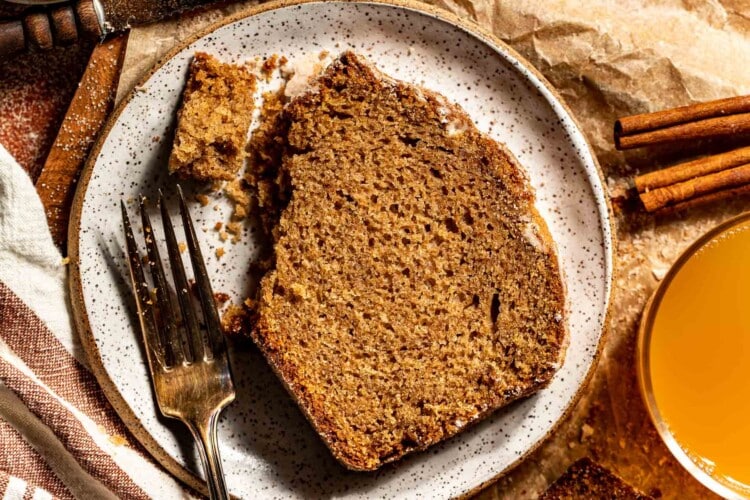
(607, 58)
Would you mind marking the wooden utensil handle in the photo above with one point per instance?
(46, 28)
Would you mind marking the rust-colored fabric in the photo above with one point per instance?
(32, 341)
(58, 373)
(59, 435)
(22, 461)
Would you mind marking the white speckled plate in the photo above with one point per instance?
(269, 449)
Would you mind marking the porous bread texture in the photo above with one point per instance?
(265, 150)
(587, 479)
(213, 120)
(416, 289)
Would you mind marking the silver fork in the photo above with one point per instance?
(190, 371)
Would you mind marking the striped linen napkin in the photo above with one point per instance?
(59, 436)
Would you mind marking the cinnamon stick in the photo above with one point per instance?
(714, 197)
(689, 170)
(697, 121)
(682, 191)
(660, 119)
(702, 129)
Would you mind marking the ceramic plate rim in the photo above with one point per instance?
(80, 315)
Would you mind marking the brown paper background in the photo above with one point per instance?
(607, 58)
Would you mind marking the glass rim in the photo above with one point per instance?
(642, 357)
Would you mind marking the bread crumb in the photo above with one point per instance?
(182, 246)
(223, 236)
(218, 226)
(202, 199)
(231, 320)
(237, 320)
(65, 261)
(269, 66)
(239, 193)
(234, 227)
(586, 432)
(221, 297)
(220, 252)
(118, 440)
(323, 54)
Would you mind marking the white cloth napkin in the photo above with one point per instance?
(59, 436)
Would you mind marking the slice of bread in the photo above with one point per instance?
(416, 289)
(212, 123)
(587, 479)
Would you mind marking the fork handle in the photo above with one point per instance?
(208, 445)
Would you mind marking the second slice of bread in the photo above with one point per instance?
(213, 119)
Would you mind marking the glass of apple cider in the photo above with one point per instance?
(693, 358)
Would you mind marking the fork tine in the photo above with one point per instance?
(216, 341)
(169, 334)
(144, 304)
(195, 339)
